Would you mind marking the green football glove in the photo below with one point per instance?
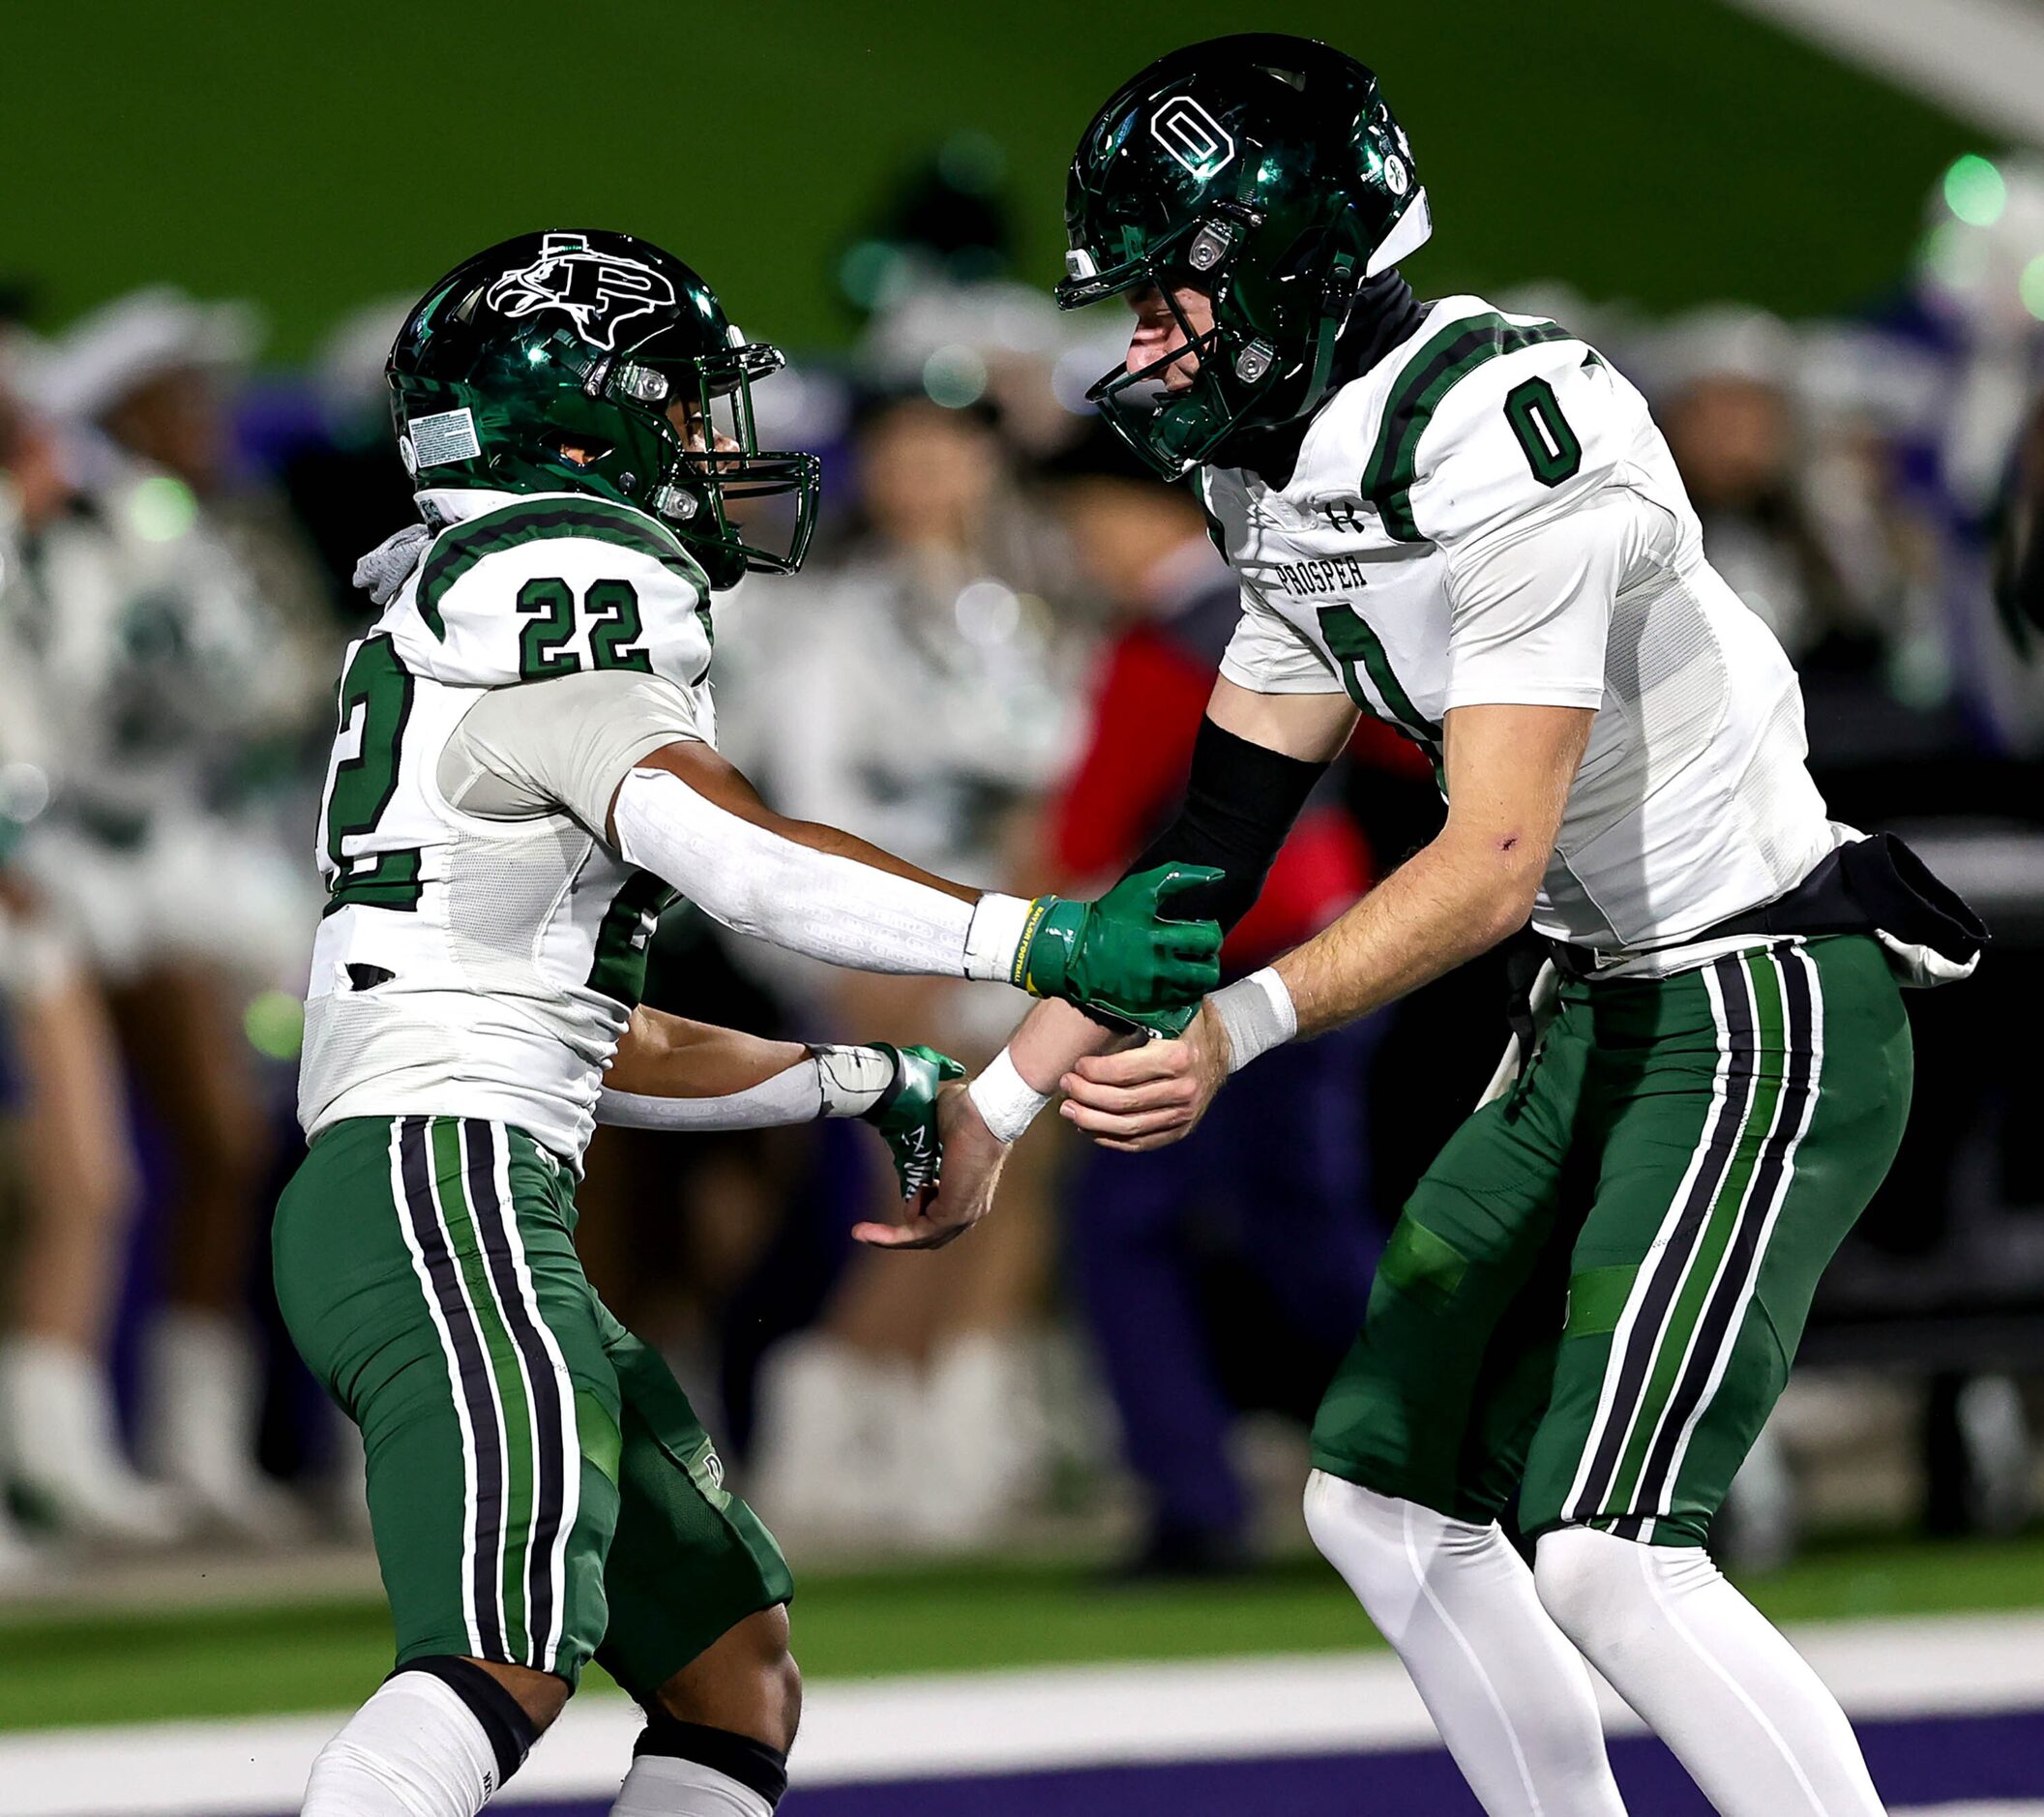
(1165, 1023)
(907, 1113)
(1122, 954)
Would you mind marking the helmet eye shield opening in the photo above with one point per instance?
(745, 508)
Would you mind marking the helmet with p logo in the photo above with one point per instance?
(594, 362)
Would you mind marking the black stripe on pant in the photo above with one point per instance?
(475, 1386)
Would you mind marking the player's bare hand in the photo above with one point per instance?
(972, 1161)
(1153, 1095)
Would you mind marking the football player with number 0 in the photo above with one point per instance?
(1463, 522)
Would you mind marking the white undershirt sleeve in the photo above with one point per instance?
(1530, 605)
(834, 909)
(832, 1082)
(794, 1096)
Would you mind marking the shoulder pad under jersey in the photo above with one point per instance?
(553, 585)
(1492, 415)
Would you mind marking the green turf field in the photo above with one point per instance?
(58, 1670)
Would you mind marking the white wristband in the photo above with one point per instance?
(998, 924)
(1006, 1100)
(1257, 1013)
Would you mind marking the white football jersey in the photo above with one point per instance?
(1490, 514)
(472, 966)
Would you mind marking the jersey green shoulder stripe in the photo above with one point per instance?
(459, 549)
(1435, 370)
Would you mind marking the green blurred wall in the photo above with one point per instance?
(314, 156)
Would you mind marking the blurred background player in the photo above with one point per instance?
(60, 1439)
(175, 685)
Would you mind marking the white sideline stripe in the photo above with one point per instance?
(877, 1730)
(2025, 1807)
(1984, 59)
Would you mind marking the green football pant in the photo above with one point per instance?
(1594, 1293)
(539, 1487)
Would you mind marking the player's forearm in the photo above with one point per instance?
(1016, 1085)
(840, 844)
(830, 900)
(670, 1057)
(1052, 1037)
(1124, 951)
(673, 1074)
(1452, 901)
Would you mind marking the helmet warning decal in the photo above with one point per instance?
(598, 291)
(435, 440)
(1193, 136)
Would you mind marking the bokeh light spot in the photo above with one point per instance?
(163, 509)
(955, 376)
(275, 1024)
(1975, 191)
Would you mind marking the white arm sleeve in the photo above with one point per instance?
(832, 909)
(832, 1082)
(794, 1096)
(1531, 606)
(567, 743)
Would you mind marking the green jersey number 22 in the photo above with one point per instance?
(375, 701)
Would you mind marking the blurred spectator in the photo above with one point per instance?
(1723, 382)
(919, 691)
(1254, 1236)
(946, 220)
(1946, 372)
(999, 342)
(2019, 558)
(330, 443)
(171, 683)
(59, 1441)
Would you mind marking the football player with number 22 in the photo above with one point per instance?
(1464, 522)
(524, 776)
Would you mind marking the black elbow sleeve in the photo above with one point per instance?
(1240, 801)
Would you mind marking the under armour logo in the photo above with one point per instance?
(598, 291)
(1191, 135)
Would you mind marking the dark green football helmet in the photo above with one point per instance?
(1268, 171)
(588, 340)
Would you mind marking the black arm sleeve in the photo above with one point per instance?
(1240, 802)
